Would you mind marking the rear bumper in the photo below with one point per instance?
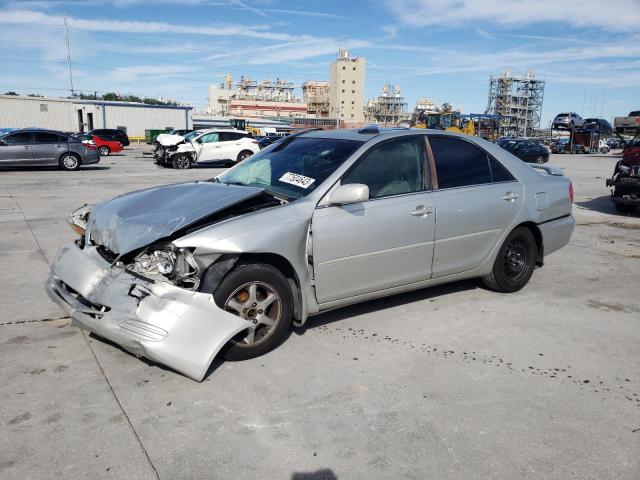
(556, 233)
(178, 328)
(92, 156)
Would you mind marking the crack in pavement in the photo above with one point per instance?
(126, 416)
(39, 320)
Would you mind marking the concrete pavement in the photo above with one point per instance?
(452, 382)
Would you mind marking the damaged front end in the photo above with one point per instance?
(125, 280)
(180, 328)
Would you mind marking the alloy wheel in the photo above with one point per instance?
(70, 162)
(260, 305)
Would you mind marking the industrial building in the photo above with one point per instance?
(389, 107)
(517, 100)
(251, 98)
(315, 94)
(74, 115)
(346, 87)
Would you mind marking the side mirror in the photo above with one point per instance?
(349, 193)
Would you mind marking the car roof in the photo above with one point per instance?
(218, 130)
(31, 129)
(365, 133)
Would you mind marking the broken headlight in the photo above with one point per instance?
(78, 219)
(176, 265)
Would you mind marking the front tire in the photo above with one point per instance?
(260, 294)
(539, 159)
(182, 161)
(69, 162)
(515, 262)
(104, 151)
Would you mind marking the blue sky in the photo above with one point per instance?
(588, 51)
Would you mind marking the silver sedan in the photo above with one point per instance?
(315, 221)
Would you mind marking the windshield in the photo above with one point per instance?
(192, 135)
(293, 167)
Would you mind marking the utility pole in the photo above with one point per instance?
(66, 34)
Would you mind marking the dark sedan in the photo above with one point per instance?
(36, 147)
(526, 150)
(111, 134)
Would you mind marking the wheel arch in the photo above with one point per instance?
(276, 261)
(537, 235)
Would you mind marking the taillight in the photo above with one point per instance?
(90, 146)
(571, 191)
(254, 141)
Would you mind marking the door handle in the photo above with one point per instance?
(422, 211)
(510, 196)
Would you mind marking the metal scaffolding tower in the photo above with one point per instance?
(388, 107)
(518, 102)
(316, 95)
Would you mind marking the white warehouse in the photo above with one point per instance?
(74, 115)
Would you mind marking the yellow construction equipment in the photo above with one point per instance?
(468, 129)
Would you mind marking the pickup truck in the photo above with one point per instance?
(629, 124)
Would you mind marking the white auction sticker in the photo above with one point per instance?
(297, 180)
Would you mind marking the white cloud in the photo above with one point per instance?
(132, 73)
(621, 15)
(391, 30)
(127, 26)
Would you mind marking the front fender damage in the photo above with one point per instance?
(179, 328)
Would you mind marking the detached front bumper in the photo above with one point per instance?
(164, 323)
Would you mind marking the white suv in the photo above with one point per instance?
(206, 146)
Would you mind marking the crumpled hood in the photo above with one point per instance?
(167, 140)
(136, 219)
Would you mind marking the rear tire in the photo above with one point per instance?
(515, 262)
(182, 161)
(243, 155)
(235, 295)
(69, 161)
(104, 151)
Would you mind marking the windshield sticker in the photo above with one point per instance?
(297, 180)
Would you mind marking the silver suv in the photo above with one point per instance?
(36, 147)
(567, 121)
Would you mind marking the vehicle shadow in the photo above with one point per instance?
(387, 302)
(31, 168)
(322, 474)
(603, 204)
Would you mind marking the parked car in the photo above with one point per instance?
(268, 140)
(563, 145)
(38, 147)
(105, 147)
(603, 146)
(526, 150)
(111, 134)
(626, 179)
(600, 125)
(615, 143)
(628, 124)
(567, 121)
(206, 146)
(319, 220)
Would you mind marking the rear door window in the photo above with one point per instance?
(48, 137)
(459, 163)
(22, 138)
